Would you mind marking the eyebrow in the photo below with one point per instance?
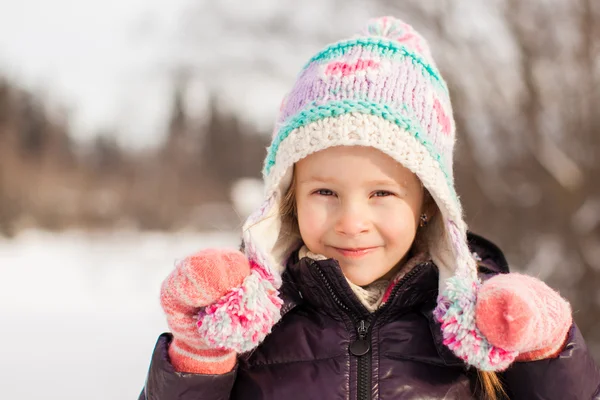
(331, 180)
(317, 179)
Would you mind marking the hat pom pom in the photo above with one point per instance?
(397, 30)
(244, 317)
(456, 313)
(388, 27)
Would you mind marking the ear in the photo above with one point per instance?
(429, 208)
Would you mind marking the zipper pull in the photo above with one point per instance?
(362, 345)
(363, 329)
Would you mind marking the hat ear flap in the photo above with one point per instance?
(270, 238)
(455, 310)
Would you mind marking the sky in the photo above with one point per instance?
(100, 60)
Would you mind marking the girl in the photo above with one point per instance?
(357, 277)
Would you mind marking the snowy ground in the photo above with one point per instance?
(79, 313)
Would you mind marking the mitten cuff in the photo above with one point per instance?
(185, 358)
(552, 351)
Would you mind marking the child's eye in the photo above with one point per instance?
(382, 193)
(324, 192)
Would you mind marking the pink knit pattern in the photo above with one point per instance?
(520, 313)
(196, 282)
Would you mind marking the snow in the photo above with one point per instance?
(79, 312)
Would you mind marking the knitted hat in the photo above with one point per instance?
(381, 89)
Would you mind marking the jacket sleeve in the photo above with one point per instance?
(164, 383)
(572, 375)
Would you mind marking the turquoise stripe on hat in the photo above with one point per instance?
(341, 107)
(385, 47)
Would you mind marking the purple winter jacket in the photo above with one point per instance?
(328, 346)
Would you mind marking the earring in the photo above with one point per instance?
(424, 220)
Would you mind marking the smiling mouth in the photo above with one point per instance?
(354, 252)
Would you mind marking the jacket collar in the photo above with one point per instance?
(321, 285)
(301, 283)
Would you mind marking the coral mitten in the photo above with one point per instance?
(521, 313)
(197, 282)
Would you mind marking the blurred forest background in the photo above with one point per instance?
(525, 84)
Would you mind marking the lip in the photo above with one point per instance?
(355, 252)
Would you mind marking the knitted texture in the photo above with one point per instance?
(522, 314)
(196, 282)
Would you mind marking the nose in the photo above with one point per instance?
(352, 220)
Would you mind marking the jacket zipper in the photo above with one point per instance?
(287, 308)
(361, 348)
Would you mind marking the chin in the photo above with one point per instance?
(355, 273)
(360, 281)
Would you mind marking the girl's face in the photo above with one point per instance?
(358, 206)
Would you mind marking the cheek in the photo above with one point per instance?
(398, 222)
(312, 220)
